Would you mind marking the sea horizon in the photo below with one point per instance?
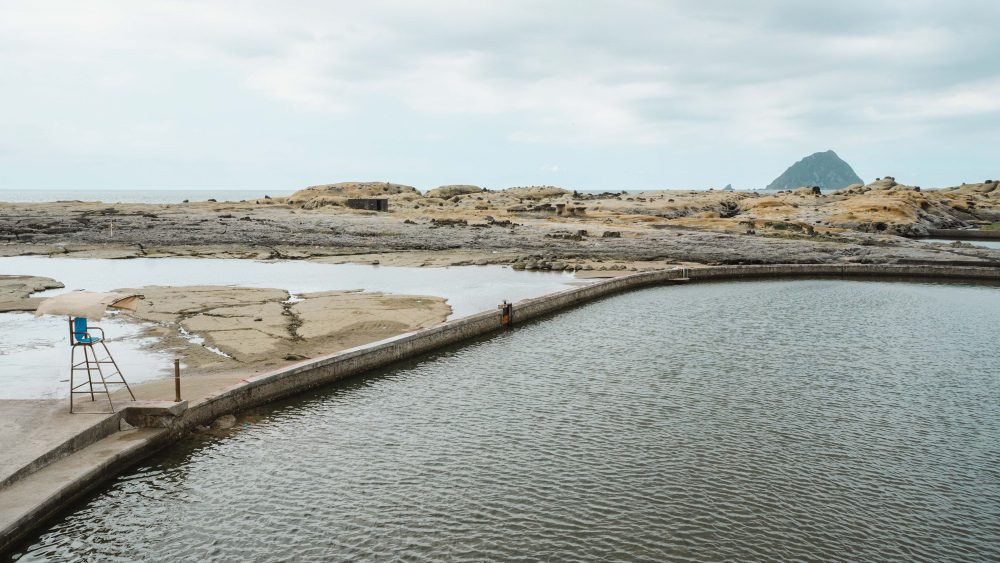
(178, 195)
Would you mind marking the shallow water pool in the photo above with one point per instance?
(34, 354)
(779, 420)
(979, 243)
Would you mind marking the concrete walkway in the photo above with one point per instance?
(194, 389)
(35, 432)
(43, 493)
(48, 457)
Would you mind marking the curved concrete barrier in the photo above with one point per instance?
(267, 387)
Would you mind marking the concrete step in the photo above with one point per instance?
(35, 433)
(43, 493)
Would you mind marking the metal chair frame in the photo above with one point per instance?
(90, 364)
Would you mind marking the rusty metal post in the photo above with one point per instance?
(505, 313)
(177, 380)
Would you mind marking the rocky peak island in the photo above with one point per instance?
(823, 169)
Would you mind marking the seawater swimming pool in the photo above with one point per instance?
(794, 419)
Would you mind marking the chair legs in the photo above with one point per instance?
(118, 370)
(91, 363)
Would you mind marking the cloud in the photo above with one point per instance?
(631, 72)
(205, 79)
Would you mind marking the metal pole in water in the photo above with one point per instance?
(177, 380)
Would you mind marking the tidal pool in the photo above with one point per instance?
(779, 420)
(979, 243)
(34, 353)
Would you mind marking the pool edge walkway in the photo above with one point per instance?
(30, 500)
(42, 494)
(36, 432)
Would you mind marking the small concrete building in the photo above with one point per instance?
(369, 204)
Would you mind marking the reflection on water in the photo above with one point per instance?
(34, 355)
(809, 420)
(979, 243)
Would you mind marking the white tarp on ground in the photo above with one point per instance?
(89, 304)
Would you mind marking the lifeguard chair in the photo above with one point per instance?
(90, 340)
(81, 337)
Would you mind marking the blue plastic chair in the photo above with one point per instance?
(80, 333)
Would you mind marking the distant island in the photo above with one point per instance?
(823, 169)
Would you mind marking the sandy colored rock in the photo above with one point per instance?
(338, 313)
(860, 224)
(315, 197)
(263, 326)
(13, 288)
(269, 318)
(446, 192)
(15, 291)
(536, 192)
(169, 304)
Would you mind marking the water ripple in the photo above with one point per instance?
(829, 419)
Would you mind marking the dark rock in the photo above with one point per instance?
(224, 422)
(823, 169)
(729, 209)
(450, 222)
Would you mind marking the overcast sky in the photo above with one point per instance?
(581, 94)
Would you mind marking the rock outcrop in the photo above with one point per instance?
(823, 169)
(453, 190)
(15, 291)
(337, 194)
(227, 326)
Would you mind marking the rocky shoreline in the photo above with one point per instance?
(596, 235)
(610, 232)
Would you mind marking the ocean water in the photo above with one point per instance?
(135, 196)
(796, 420)
(178, 196)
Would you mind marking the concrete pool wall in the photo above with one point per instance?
(73, 468)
